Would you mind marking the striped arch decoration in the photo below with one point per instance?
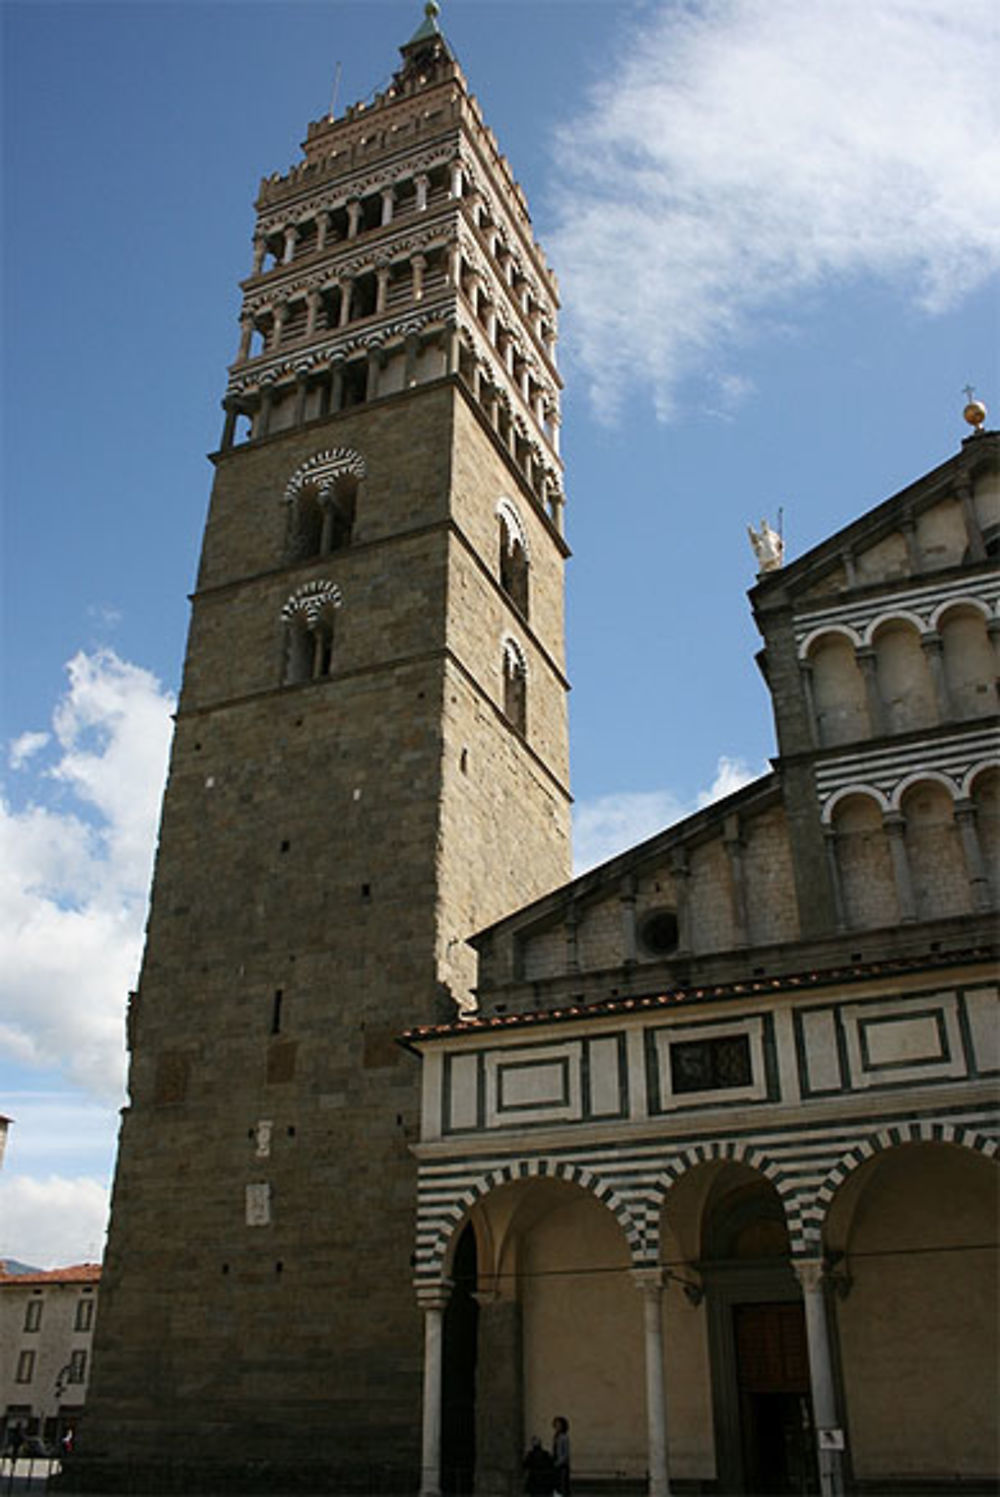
(920, 1131)
(731, 1151)
(310, 602)
(325, 468)
(432, 1255)
(507, 512)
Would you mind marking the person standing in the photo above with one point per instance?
(560, 1454)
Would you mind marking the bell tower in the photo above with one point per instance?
(369, 764)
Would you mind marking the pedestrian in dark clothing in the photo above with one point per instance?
(560, 1455)
(539, 1473)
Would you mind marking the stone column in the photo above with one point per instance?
(968, 831)
(809, 1272)
(833, 868)
(388, 195)
(263, 418)
(259, 251)
(626, 899)
(301, 390)
(232, 411)
(353, 217)
(422, 184)
(451, 348)
(733, 843)
(895, 827)
(682, 900)
(411, 350)
(346, 291)
(336, 385)
(323, 222)
(455, 266)
(913, 553)
(246, 336)
(314, 299)
(432, 1301)
(933, 648)
(280, 313)
(291, 234)
(806, 677)
(868, 665)
(456, 179)
(556, 506)
(376, 358)
(381, 289)
(418, 264)
(326, 500)
(649, 1282)
(973, 531)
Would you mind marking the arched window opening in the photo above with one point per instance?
(355, 383)
(322, 497)
(513, 557)
(515, 687)
(305, 242)
(295, 321)
(308, 617)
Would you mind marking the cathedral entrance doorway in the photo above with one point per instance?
(760, 1366)
(772, 1377)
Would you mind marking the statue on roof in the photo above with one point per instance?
(768, 547)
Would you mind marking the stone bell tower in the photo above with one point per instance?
(370, 763)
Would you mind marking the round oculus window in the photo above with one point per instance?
(658, 932)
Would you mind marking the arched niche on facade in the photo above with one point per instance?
(560, 1330)
(911, 1237)
(838, 689)
(969, 660)
(984, 793)
(905, 687)
(939, 873)
(864, 863)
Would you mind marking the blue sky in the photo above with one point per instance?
(775, 227)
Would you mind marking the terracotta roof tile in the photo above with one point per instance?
(750, 987)
(76, 1273)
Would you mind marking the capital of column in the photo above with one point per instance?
(810, 1273)
(649, 1280)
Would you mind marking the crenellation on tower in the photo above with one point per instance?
(400, 252)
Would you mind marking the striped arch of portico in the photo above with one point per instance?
(916, 1131)
(448, 1217)
(728, 1151)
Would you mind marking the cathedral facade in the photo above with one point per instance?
(712, 1169)
(696, 1149)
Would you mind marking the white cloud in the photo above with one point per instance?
(52, 1222)
(74, 873)
(22, 749)
(611, 823)
(739, 153)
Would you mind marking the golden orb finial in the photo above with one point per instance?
(975, 411)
